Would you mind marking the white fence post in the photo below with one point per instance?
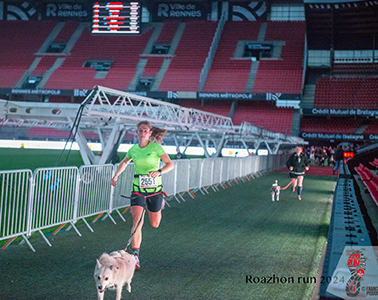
(30, 204)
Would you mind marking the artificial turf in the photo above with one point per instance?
(21, 158)
(204, 248)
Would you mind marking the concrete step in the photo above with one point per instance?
(160, 75)
(262, 32)
(154, 36)
(308, 96)
(75, 36)
(295, 125)
(176, 38)
(28, 72)
(53, 34)
(101, 74)
(361, 129)
(252, 77)
(58, 62)
(138, 73)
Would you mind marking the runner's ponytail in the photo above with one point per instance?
(157, 134)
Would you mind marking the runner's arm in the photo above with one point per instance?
(122, 166)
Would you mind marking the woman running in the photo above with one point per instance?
(147, 185)
(297, 165)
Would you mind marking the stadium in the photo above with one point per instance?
(238, 85)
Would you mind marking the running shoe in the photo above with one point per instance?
(137, 265)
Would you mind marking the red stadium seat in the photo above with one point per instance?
(262, 114)
(184, 70)
(346, 93)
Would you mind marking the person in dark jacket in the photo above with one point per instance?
(339, 156)
(297, 165)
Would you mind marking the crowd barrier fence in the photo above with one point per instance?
(31, 202)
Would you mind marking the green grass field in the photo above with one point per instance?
(203, 249)
(20, 158)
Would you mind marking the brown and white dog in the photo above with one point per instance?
(275, 191)
(113, 271)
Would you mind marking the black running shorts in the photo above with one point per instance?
(296, 174)
(153, 203)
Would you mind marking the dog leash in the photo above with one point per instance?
(136, 228)
(287, 185)
(141, 217)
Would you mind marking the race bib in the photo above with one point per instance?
(146, 181)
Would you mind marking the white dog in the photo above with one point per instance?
(114, 271)
(275, 191)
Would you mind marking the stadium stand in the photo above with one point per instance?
(167, 33)
(45, 63)
(152, 67)
(44, 132)
(355, 68)
(217, 107)
(15, 57)
(66, 32)
(226, 73)
(59, 99)
(374, 163)
(184, 71)
(340, 125)
(346, 93)
(262, 114)
(370, 180)
(123, 51)
(285, 75)
(372, 128)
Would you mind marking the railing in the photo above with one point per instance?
(49, 197)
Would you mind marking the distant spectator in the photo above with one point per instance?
(308, 153)
(331, 158)
(312, 154)
(323, 156)
(339, 157)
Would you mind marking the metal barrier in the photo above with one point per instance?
(54, 200)
(195, 172)
(94, 191)
(207, 174)
(231, 169)
(217, 172)
(225, 167)
(15, 193)
(182, 185)
(121, 193)
(245, 167)
(31, 202)
(169, 182)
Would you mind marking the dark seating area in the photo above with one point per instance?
(340, 125)
(264, 115)
(346, 93)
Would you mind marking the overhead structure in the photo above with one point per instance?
(112, 114)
